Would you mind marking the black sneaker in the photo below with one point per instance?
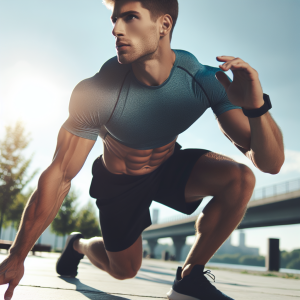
(69, 260)
(195, 286)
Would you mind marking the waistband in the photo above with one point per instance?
(100, 170)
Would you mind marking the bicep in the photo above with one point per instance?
(70, 154)
(235, 126)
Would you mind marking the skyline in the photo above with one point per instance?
(50, 47)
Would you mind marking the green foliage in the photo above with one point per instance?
(294, 264)
(68, 220)
(65, 220)
(290, 260)
(15, 211)
(87, 221)
(226, 258)
(13, 167)
(251, 260)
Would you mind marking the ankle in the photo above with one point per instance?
(76, 246)
(186, 270)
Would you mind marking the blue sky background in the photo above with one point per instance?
(47, 47)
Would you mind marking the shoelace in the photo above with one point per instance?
(208, 273)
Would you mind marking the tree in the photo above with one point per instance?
(294, 264)
(14, 175)
(87, 221)
(65, 220)
(14, 213)
(290, 260)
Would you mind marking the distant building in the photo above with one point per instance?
(226, 248)
(155, 215)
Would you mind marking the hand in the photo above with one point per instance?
(245, 90)
(11, 272)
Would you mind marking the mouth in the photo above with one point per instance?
(122, 47)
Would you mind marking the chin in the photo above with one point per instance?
(124, 59)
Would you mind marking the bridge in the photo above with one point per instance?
(269, 206)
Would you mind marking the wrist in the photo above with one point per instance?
(259, 111)
(16, 256)
(256, 105)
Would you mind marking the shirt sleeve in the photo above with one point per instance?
(214, 91)
(84, 119)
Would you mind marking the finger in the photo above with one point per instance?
(9, 292)
(223, 79)
(236, 64)
(225, 58)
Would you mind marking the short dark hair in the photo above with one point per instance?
(156, 8)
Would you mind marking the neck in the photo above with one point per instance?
(155, 69)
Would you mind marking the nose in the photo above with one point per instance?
(118, 29)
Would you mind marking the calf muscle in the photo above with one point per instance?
(120, 265)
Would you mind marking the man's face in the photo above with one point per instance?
(137, 36)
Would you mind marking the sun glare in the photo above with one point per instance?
(32, 97)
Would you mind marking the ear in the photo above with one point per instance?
(166, 25)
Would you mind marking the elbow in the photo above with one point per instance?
(276, 167)
(273, 171)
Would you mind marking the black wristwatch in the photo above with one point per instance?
(257, 112)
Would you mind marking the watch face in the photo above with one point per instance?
(267, 100)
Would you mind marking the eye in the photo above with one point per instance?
(130, 17)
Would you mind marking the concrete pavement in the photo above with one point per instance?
(153, 281)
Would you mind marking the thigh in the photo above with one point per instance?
(173, 179)
(209, 175)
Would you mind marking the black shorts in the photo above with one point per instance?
(124, 200)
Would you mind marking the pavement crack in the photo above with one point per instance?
(154, 297)
(58, 288)
(88, 291)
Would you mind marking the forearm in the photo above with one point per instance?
(266, 146)
(39, 212)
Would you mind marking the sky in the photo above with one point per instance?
(47, 47)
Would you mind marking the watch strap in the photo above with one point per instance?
(257, 112)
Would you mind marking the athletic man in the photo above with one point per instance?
(139, 103)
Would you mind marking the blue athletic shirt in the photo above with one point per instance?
(143, 117)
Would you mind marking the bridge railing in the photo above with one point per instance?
(276, 189)
(260, 193)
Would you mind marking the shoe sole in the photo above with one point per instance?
(172, 295)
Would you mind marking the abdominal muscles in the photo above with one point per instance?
(120, 159)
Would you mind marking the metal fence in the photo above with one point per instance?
(260, 193)
(276, 189)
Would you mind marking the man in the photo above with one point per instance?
(139, 103)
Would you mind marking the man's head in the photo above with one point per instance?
(141, 25)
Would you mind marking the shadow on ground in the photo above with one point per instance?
(157, 272)
(89, 291)
(142, 275)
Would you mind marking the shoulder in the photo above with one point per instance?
(204, 75)
(112, 73)
(187, 62)
(104, 85)
(113, 70)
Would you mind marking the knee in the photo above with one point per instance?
(126, 272)
(242, 180)
(247, 178)
(241, 175)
